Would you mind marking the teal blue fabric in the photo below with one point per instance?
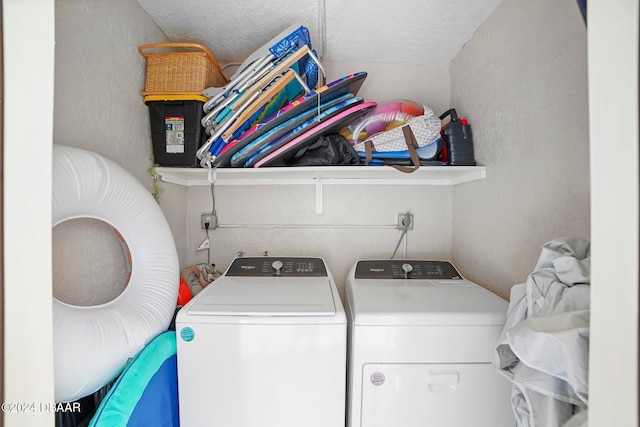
(146, 393)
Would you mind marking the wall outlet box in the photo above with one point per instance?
(402, 218)
(210, 219)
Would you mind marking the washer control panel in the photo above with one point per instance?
(274, 266)
(406, 269)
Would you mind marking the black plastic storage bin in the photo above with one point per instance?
(176, 131)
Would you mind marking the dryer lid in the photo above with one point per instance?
(424, 303)
(268, 296)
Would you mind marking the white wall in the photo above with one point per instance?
(357, 221)
(522, 83)
(28, 31)
(426, 84)
(98, 76)
(613, 100)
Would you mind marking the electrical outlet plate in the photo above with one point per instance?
(208, 218)
(401, 219)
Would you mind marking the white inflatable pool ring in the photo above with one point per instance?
(93, 344)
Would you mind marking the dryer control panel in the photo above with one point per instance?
(406, 269)
(277, 266)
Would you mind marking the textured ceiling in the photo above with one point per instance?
(391, 31)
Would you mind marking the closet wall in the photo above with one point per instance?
(522, 82)
(98, 78)
(521, 135)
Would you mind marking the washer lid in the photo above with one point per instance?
(265, 296)
(422, 301)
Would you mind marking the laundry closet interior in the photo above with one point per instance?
(552, 100)
(516, 70)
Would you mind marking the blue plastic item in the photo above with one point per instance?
(301, 128)
(294, 41)
(283, 129)
(146, 393)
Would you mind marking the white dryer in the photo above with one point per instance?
(421, 342)
(264, 346)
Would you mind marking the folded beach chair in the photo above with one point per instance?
(261, 86)
(262, 60)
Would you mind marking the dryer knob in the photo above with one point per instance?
(277, 266)
(407, 268)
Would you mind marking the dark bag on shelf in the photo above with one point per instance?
(329, 150)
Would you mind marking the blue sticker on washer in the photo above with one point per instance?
(187, 334)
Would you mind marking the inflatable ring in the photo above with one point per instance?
(385, 117)
(93, 344)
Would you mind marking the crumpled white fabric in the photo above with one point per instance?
(544, 347)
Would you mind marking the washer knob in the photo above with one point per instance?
(277, 266)
(406, 269)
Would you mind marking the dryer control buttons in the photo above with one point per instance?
(277, 266)
(282, 267)
(407, 269)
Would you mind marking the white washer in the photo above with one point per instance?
(264, 346)
(421, 342)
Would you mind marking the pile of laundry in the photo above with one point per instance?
(544, 348)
